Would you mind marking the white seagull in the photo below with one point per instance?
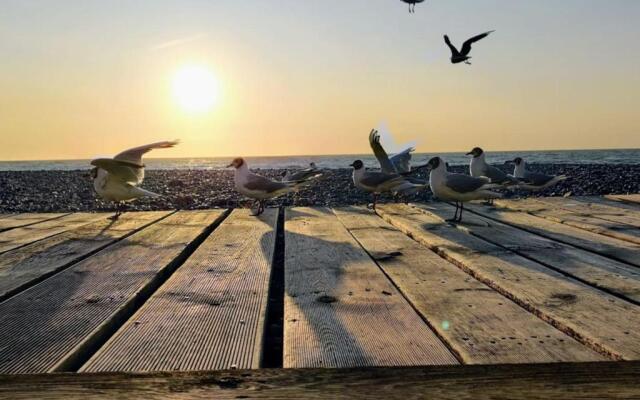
(379, 182)
(412, 4)
(116, 179)
(463, 54)
(479, 167)
(398, 164)
(258, 187)
(303, 175)
(533, 181)
(459, 188)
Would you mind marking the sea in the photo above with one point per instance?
(617, 156)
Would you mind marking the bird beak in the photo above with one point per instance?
(470, 153)
(230, 165)
(508, 162)
(351, 165)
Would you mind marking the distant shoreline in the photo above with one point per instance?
(68, 191)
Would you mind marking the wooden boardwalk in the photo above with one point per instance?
(545, 280)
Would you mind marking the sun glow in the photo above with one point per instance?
(195, 89)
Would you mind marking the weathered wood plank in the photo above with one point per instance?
(608, 202)
(626, 198)
(28, 265)
(604, 322)
(55, 325)
(17, 220)
(339, 308)
(595, 209)
(595, 270)
(481, 325)
(616, 249)
(565, 214)
(210, 314)
(596, 380)
(18, 237)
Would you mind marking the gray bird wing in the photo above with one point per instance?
(386, 164)
(496, 175)
(257, 182)
(303, 175)
(402, 160)
(135, 154)
(120, 170)
(376, 179)
(537, 178)
(464, 183)
(466, 47)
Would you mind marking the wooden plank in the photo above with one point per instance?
(57, 324)
(564, 213)
(8, 215)
(595, 380)
(628, 198)
(616, 249)
(17, 220)
(481, 325)
(18, 237)
(594, 209)
(339, 308)
(604, 273)
(210, 314)
(605, 323)
(28, 265)
(620, 205)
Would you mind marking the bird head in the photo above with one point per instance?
(475, 152)
(236, 163)
(434, 163)
(517, 161)
(357, 164)
(93, 173)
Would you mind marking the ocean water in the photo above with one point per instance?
(618, 156)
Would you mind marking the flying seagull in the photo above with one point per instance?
(116, 179)
(459, 188)
(303, 175)
(533, 181)
(463, 54)
(398, 164)
(379, 182)
(258, 187)
(412, 4)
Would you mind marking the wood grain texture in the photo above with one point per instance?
(51, 325)
(604, 380)
(600, 210)
(480, 324)
(576, 214)
(339, 308)
(604, 322)
(628, 198)
(633, 207)
(23, 267)
(10, 221)
(604, 273)
(210, 314)
(21, 236)
(604, 245)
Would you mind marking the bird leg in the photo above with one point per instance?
(455, 215)
(257, 205)
(375, 200)
(461, 209)
(118, 212)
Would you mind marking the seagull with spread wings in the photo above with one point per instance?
(397, 164)
(463, 54)
(116, 179)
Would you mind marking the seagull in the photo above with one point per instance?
(463, 54)
(458, 187)
(258, 187)
(398, 164)
(117, 179)
(533, 181)
(479, 167)
(412, 3)
(380, 182)
(303, 175)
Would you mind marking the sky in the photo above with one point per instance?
(83, 78)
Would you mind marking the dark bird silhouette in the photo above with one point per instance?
(463, 54)
(412, 4)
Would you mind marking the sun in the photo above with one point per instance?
(195, 89)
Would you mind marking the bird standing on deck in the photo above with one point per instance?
(463, 54)
(379, 182)
(258, 187)
(412, 4)
(303, 175)
(479, 167)
(459, 188)
(116, 179)
(533, 181)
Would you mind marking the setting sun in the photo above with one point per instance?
(195, 89)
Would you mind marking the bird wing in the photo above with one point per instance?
(386, 164)
(121, 170)
(537, 178)
(466, 47)
(454, 51)
(375, 179)
(257, 182)
(402, 160)
(464, 183)
(302, 175)
(497, 175)
(135, 154)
